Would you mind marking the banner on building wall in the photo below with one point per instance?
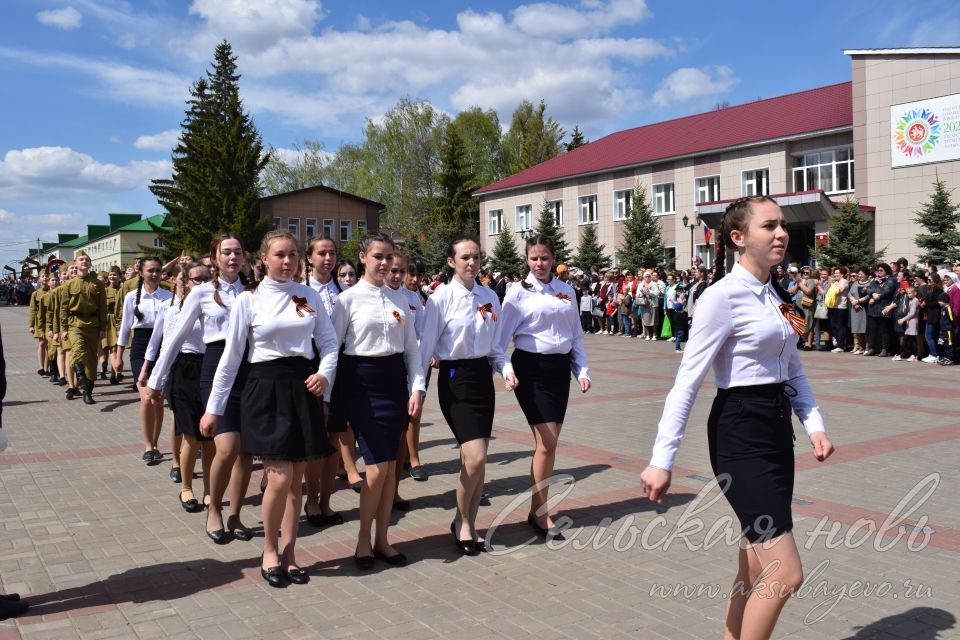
(925, 131)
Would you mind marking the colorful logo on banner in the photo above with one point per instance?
(917, 133)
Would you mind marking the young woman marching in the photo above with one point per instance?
(746, 330)
(183, 387)
(320, 474)
(381, 358)
(346, 275)
(141, 308)
(279, 322)
(542, 319)
(412, 289)
(461, 330)
(211, 302)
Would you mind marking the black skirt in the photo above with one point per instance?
(138, 349)
(374, 402)
(543, 388)
(183, 392)
(467, 399)
(751, 452)
(281, 420)
(337, 418)
(229, 422)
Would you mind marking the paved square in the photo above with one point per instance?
(99, 544)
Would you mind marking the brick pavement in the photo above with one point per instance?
(99, 544)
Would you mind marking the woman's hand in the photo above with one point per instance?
(142, 379)
(415, 405)
(510, 382)
(822, 447)
(208, 424)
(584, 385)
(316, 384)
(655, 482)
(156, 397)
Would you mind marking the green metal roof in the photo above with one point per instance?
(144, 224)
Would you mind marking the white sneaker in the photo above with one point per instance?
(930, 360)
(837, 350)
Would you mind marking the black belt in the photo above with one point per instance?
(771, 390)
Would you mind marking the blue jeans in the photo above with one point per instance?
(930, 334)
(625, 327)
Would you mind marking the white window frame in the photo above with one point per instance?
(592, 216)
(524, 217)
(293, 226)
(557, 207)
(803, 167)
(361, 228)
(494, 221)
(328, 226)
(311, 227)
(749, 177)
(705, 251)
(346, 225)
(622, 201)
(706, 189)
(276, 223)
(660, 198)
(670, 255)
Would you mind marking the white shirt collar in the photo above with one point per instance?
(460, 290)
(236, 285)
(747, 279)
(540, 286)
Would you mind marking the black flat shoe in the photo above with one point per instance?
(147, 456)
(363, 562)
(240, 533)
(113, 380)
(548, 534)
(175, 475)
(157, 456)
(401, 505)
(274, 576)
(296, 576)
(327, 520)
(484, 500)
(219, 536)
(41, 372)
(191, 505)
(12, 608)
(9, 597)
(73, 393)
(465, 547)
(396, 560)
(357, 486)
(419, 473)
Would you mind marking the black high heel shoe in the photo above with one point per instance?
(396, 560)
(296, 576)
(465, 547)
(363, 562)
(547, 534)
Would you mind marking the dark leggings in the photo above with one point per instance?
(879, 329)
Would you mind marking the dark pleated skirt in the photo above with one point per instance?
(229, 422)
(183, 392)
(374, 402)
(138, 349)
(281, 420)
(467, 399)
(544, 385)
(751, 451)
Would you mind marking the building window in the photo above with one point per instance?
(707, 189)
(362, 227)
(587, 210)
(346, 230)
(830, 171)
(524, 217)
(494, 221)
(328, 228)
(293, 226)
(755, 183)
(663, 199)
(276, 223)
(670, 256)
(158, 243)
(556, 207)
(311, 227)
(705, 253)
(621, 204)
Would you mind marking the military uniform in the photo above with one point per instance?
(83, 314)
(35, 318)
(113, 323)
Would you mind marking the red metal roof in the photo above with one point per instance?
(795, 114)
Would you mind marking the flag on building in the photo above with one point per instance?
(707, 234)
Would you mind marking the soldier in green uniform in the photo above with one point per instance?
(54, 348)
(35, 322)
(109, 343)
(83, 314)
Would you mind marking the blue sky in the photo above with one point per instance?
(93, 91)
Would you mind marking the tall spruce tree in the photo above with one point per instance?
(577, 139)
(217, 162)
(642, 242)
(456, 207)
(848, 245)
(546, 226)
(505, 257)
(589, 250)
(939, 217)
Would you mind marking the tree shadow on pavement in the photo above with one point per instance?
(919, 623)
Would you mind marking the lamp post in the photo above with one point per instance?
(692, 226)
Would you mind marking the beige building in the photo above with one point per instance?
(809, 150)
(314, 210)
(125, 237)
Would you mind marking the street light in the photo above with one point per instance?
(692, 226)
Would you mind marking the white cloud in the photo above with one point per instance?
(362, 23)
(689, 84)
(254, 25)
(163, 141)
(45, 171)
(294, 156)
(66, 18)
(548, 19)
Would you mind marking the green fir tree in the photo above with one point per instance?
(505, 257)
(546, 226)
(940, 245)
(848, 243)
(577, 139)
(590, 253)
(642, 242)
(455, 206)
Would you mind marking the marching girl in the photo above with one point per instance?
(346, 274)
(380, 359)
(141, 309)
(542, 319)
(461, 330)
(277, 323)
(183, 387)
(412, 284)
(321, 474)
(746, 330)
(211, 302)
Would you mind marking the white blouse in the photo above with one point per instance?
(151, 306)
(328, 292)
(376, 321)
(544, 319)
(164, 328)
(199, 305)
(462, 324)
(415, 305)
(741, 333)
(276, 326)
